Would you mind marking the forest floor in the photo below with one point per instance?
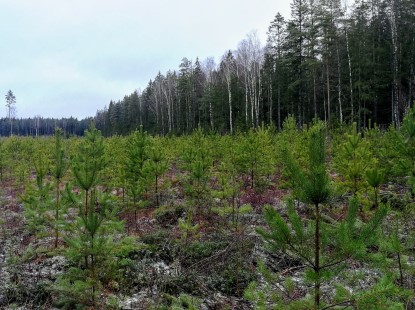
(216, 268)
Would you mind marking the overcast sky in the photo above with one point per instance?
(65, 58)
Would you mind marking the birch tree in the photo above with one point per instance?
(209, 67)
(250, 59)
(228, 71)
(185, 89)
(169, 89)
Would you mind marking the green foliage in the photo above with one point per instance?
(338, 243)
(263, 296)
(198, 250)
(60, 166)
(320, 246)
(197, 161)
(229, 185)
(20, 152)
(383, 295)
(60, 163)
(95, 251)
(113, 173)
(41, 164)
(187, 228)
(184, 301)
(395, 248)
(254, 156)
(92, 244)
(157, 165)
(37, 203)
(89, 160)
(203, 256)
(136, 176)
(310, 185)
(3, 159)
(353, 159)
(375, 178)
(405, 145)
(37, 199)
(293, 139)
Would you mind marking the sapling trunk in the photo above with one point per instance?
(400, 270)
(156, 189)
(57, 212)
(413, 177)
(94, 276)
(252, 177)
(86, 203)
(233, 211)
(135, 219)
(317, 259)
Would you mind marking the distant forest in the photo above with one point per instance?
(339, 64)
(39, 126)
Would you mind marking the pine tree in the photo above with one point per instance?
(88, 163)
(58, 171)
(3, 160)
(134, 169)
(94, 247)
(156, 165)
(11, 108)
(37, 199)
(353, 159)
(229, 184)
(94, 252)
(374, 178)
(405, 145)
(314, 189)
(43, 205)
(197, 158)
(254, 156)
(319, 245)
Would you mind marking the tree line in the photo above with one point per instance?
(329, 61)
(40, 126)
